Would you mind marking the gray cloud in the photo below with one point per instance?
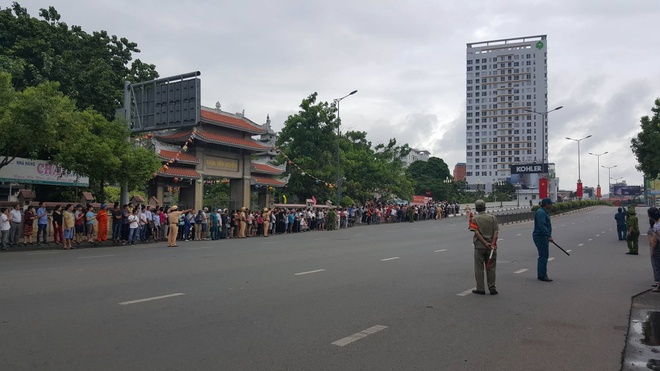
(407, 59)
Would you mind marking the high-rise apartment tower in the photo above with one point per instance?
(505, 78)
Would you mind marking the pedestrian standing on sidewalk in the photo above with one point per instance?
(15, 219)
(42, 224)
(486, 230)
(58, 236)
(542, 236)
(633, 231)
(620, 218)
(5, 228)
(653, 235)
(68, 225)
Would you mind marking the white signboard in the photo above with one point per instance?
(23, 170)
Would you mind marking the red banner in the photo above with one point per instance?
(598, 194)
(579, 190)
(543, 188)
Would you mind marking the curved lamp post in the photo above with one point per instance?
(339, 181)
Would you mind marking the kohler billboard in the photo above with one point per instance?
(529, 169)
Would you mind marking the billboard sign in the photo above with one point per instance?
(421, 200)
(529, 169)
(168, 103)
(621, 190)
(26, 171)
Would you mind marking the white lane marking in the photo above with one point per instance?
(42, 253)
(386, 259)
(440, 250)
(359, 335)
(466, 292)
(572, 223)
(562, 225)
(322, 238)
(500, 239)
(569, 250)
(519, 234)
(152, 298)
(603, 232)
(551, 259)
(309, 272)
(597, 235)
(96, 256)
(521, 271)
(591, 239)
(581, 244)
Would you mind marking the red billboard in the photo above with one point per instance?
(543, 188)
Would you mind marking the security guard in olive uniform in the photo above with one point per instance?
(486, 230)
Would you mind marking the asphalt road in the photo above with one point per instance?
(385, 297)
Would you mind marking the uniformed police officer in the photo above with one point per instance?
(542, 236)
(486, 230)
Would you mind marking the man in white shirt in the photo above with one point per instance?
(5, 227)
(15, 219)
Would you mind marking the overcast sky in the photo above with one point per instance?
(407, 61)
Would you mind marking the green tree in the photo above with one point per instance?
(41, 123)
(91, 68)
(309, 140)
(432, 176)
(645, 144)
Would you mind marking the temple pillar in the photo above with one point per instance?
(160, 194)
(199, 193)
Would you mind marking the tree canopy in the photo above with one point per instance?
(91, 68)
(42, 123)
(646, 145)
(309, 139)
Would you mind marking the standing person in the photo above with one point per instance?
(90, 218)
(155, 224)
(486, 230)
(621, 229)
(15, 219)
(654, 244)
(632, 238)
(102, 220)
(205, 223)
(134, 226)
(116, 223)
(199, 218)
(42, 224)
(125, 226)
(5, 228)
(68, 224)
(542, 237)
(242, 218)
(173, 220)
(79, 216)
(214, 216)
(266, 217)
(58, 236)
(28, 225)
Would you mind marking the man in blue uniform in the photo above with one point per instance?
(621, 228)
(542, 237)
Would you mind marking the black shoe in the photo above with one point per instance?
(632, 253)
(493, 292)
(545, 279)
(479, 292)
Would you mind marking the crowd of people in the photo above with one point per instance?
(73, 225)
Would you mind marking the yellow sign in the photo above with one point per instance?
(222, 163)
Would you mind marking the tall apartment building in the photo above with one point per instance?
(504, 79)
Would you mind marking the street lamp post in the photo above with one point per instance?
(598, 192)
(544, 121)
(579, 182)
(609, 179)
(338, 140)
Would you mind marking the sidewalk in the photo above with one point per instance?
(642, 350)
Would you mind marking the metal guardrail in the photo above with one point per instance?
(515, 218)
